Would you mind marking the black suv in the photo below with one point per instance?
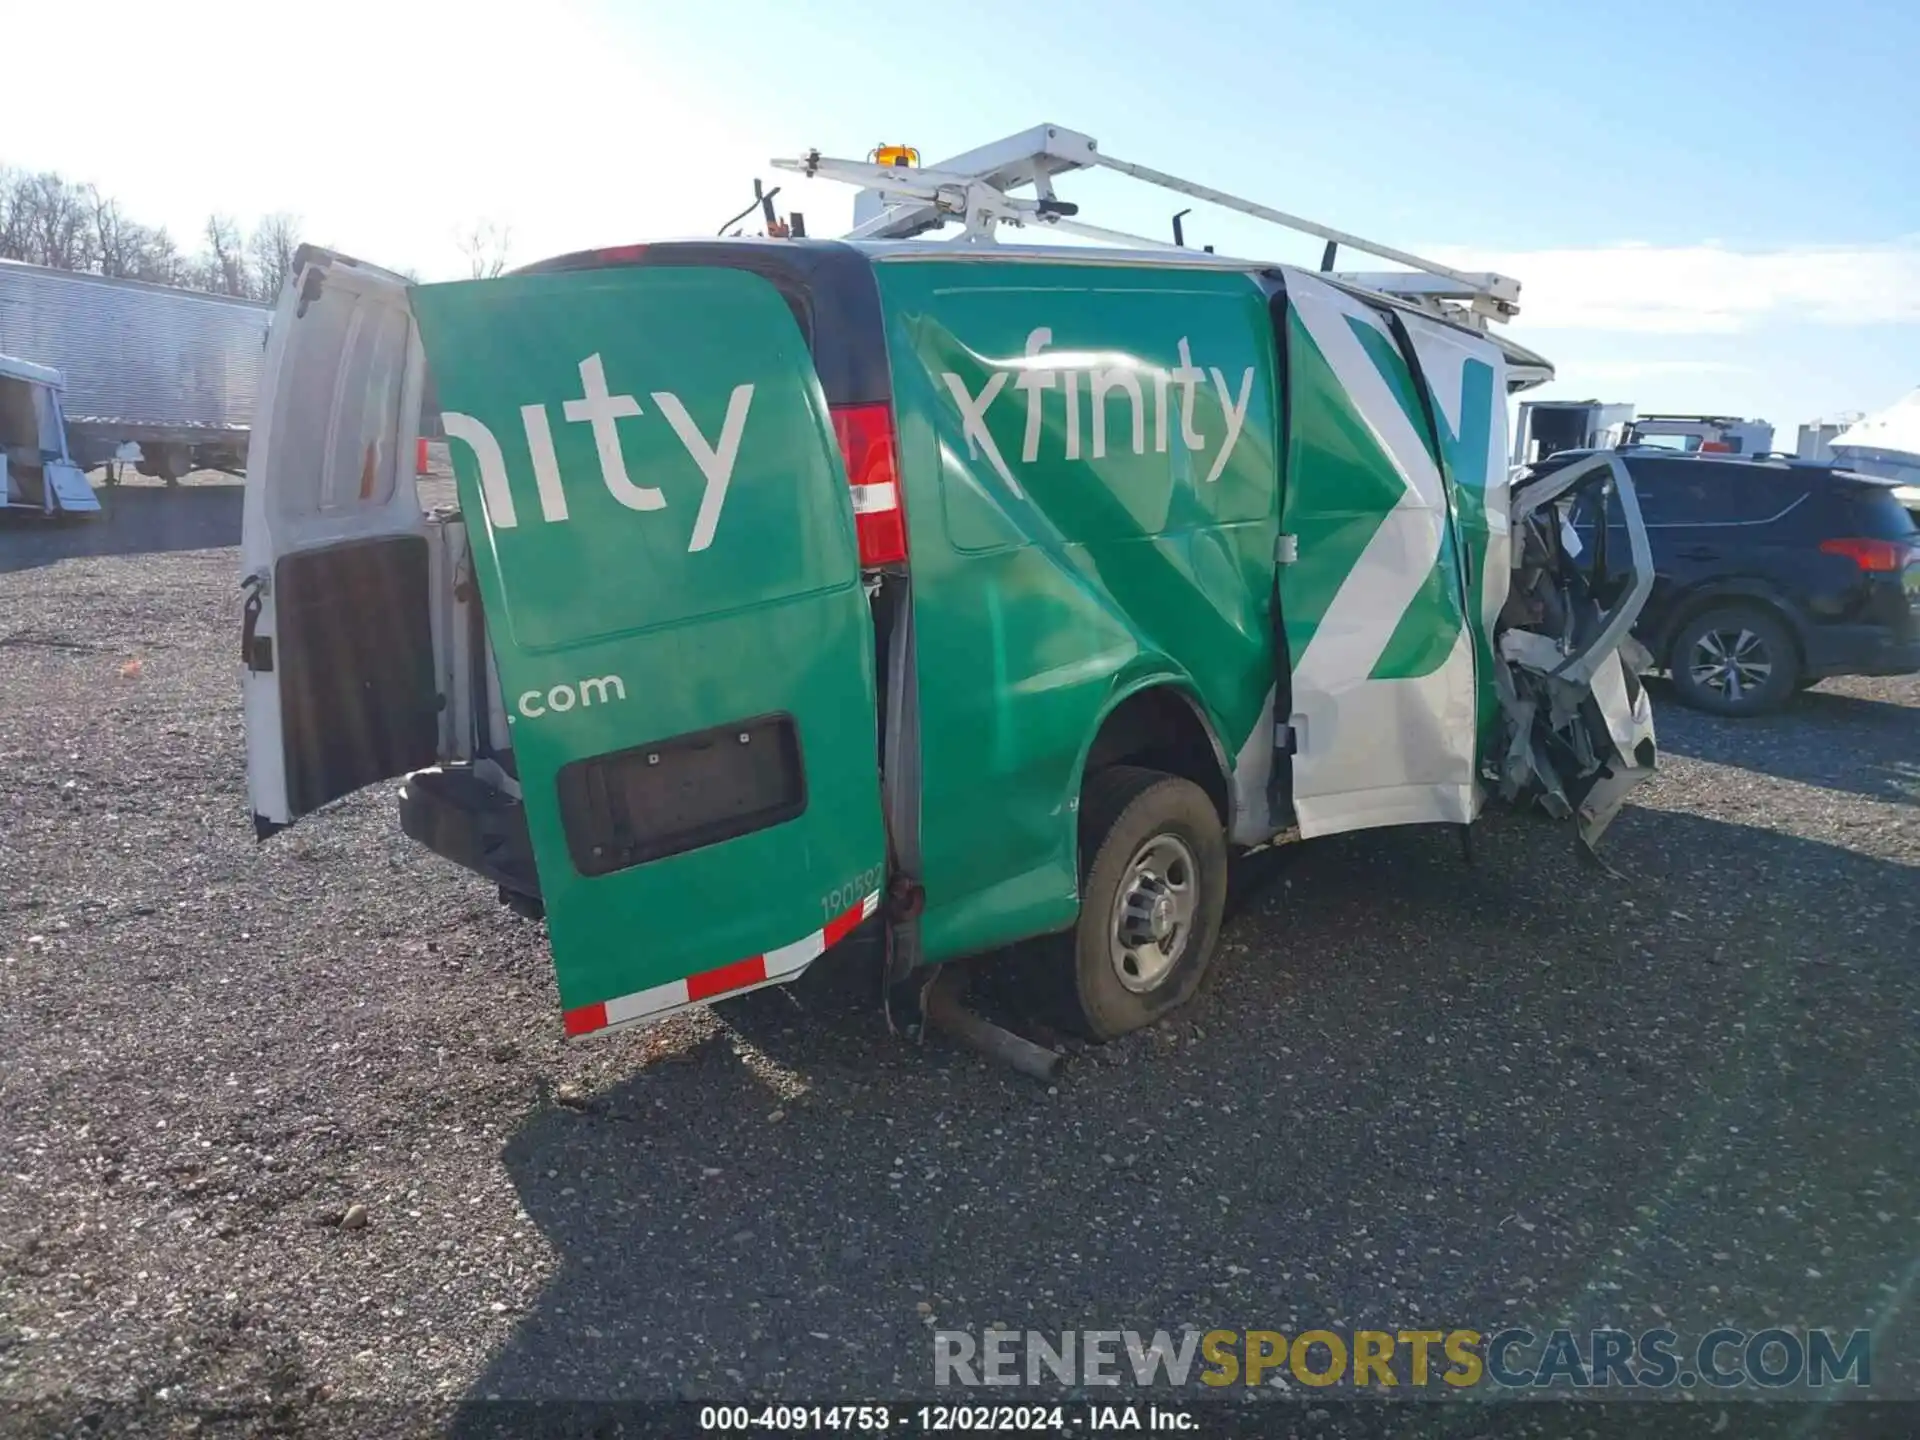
(1770, 575)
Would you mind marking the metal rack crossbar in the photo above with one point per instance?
(898, 202)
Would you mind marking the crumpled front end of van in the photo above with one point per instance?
(1577, 726)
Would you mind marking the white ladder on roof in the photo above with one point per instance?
(900, 202)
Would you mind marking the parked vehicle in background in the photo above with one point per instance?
(1815, 441)
(1544, 428)
(1700, 434)
(1886, 444)
(36, 471)
(1769, 576)
(161, 378)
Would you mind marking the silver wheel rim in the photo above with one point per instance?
(1733, 663)
(1153, 913)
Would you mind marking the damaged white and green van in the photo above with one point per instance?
(971, 592)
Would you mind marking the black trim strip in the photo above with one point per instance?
(1280, 808)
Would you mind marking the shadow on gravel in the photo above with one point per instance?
(1837, 742)
(1416, 1091)
(134, 520)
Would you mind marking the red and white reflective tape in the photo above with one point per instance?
(740, 975)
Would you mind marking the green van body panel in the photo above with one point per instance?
(1341, 487)
(1096, 476)
(1088, 455)
(700, 572)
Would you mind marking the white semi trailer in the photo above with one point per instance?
(165, 378)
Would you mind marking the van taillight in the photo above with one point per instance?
(1877, 557)
(866, 437)
(619, 255)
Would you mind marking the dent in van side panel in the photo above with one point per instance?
(1090, 466)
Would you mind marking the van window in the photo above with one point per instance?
(1711, 492)
(1872, 512)
(339, 446)
(27, 422)
(19, 425)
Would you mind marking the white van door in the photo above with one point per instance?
(1374, 600)
(338, 669)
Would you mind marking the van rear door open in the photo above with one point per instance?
(337, 687)
(664, 543)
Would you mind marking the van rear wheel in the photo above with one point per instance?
(1153, 885)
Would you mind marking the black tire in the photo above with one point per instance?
(1133, 823)
(1737, 659)
(163, 462)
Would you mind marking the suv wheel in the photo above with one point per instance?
(1734, 660)
(1153, 886)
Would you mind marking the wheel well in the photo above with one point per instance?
(1162, 730)
(1697, 605)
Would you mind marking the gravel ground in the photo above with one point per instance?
(291, 1121)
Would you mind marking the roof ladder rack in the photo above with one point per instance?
(901, 202)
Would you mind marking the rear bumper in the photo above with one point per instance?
(1860, 650)
(458, 816)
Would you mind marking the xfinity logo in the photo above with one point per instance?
(600, 409)
(1040, 374)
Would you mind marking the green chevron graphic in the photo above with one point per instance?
(1356, 486)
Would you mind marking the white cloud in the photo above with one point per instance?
(1707, 288)
(1641, 369)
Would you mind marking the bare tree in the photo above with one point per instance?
(160, 261)
(117, 241)
(49, 222)
(270, 249)
(486, 246)
(126, 249)
(223, 264)
(14, 211)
